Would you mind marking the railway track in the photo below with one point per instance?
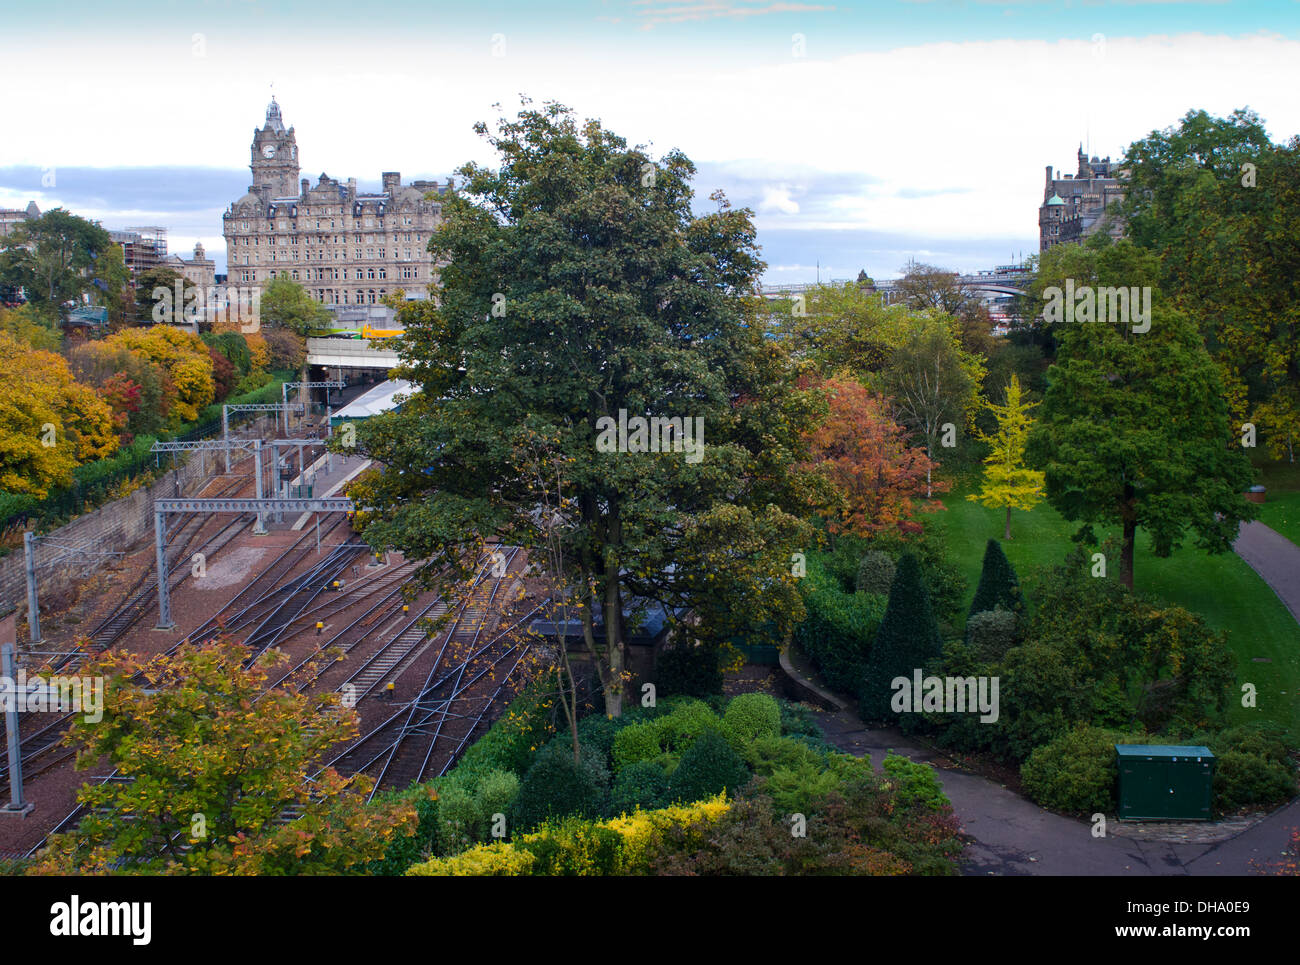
(458, 692)
(42, 749)
(401, 749)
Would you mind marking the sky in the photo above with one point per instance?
(862, 134)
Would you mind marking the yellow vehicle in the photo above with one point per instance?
(368, 332)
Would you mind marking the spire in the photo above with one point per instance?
(273, 120)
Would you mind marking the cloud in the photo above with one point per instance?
(655, 12)
(777, 199)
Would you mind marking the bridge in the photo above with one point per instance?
(999, 282)
(341, 354)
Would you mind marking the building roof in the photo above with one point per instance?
(1162, 750)
(1054, 200)
(381, 398)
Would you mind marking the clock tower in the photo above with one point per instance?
(275, 157)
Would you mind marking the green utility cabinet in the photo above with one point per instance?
(1164, 782)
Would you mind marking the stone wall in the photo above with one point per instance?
(124, 525)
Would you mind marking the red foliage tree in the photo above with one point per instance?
(122, 394)
(865, 455)
(223, 374)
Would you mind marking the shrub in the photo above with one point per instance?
(466, 808)
(991, 633)
(837, 633)
(999, 587)
(875, 573)
(512, 740)
(636, 743)
(622, 845)
(686, 723)
(749, 717)
(491, 859)
(641, 785)
(556, 787)
(574, 847)
(1075, 773)
(908, 640)
(798, 720)
(598, 732)
(915, 785)
(689, 670)
(801, 788)
(708, 767)
(769, 754)
(1252, 768)
(1243, 779)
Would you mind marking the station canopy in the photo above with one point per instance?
(382, 398)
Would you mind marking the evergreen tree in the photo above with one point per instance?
(908, 639)
(999, 586)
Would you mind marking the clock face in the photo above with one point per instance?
(268, 151)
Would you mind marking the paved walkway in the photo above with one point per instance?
(1275, 558)
(1015, 837)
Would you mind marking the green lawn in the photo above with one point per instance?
(1223, 589)
(1282, 513)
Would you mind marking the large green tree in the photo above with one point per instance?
(286, 304)
(52, 257)
(1217, 201)
(580, 286)
(1134, 429)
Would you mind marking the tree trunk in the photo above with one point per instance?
(1126, 552)
(1006, 532)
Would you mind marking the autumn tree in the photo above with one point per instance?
(101, 364)
(183, 356)
(48, 422)
(27, 323)
(219, 774)
(880, 480)
(581, 289)
(1008, 482)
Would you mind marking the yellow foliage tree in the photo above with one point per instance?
(183, 356)
(1007, 481)
(48, 421)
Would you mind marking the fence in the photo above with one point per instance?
(94, 481)
(121, 525)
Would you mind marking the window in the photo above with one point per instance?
(383, 272)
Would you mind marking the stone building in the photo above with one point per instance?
(1076, 206)
(199, 270)
(345, 247)
(11, 218)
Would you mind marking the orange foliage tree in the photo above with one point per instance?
(880, 479)
(219, 773)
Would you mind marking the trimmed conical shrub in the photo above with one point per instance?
(908, 640)
(999, 586)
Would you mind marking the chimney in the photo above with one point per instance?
(305, 183)
(392, 181)
(352, 189)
